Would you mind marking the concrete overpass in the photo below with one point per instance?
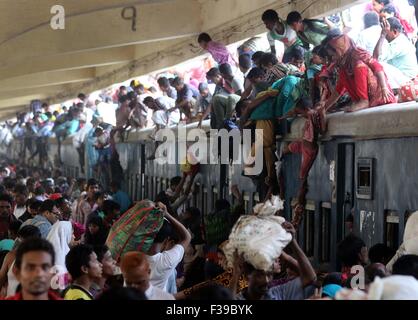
(98, 47)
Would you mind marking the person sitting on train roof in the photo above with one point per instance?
(275, 70)
(205, 98)
(368, 38)
(186, 98)
(280, 31)
(299, 288)
(219, 52)
(398, 52)
(245, 66)
(355, 70)
(233, 80)
(166, 88)
(223, 102)
(310, 31)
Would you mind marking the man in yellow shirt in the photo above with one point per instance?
(84, 268)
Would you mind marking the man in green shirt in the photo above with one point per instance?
(309, 31)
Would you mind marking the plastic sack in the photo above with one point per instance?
(259, 238)
(135, 229)
(395, 287)
(410, 238)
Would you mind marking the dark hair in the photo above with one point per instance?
(114, 183)
(109, 206)
(178, 81)
(395, 24)
(47, 205)
(240, 106)
(257, 56)
(92, 182)
(122, 88)
(175, 180)
(21, 189)
(406, 265)
(124, 99)
(81, 96)
(384, 2)
(36, 204)
(390, 8)
(212, 292)
(225, 69)
(333, 278)
(213, 72)
(147, 100)
(255, 73)
(76, 258)
(371, 19)
(293, 17)
(122, 293)
(194, 212)
(349, 249)
(163, 82)
(222, 204)
(245, 61)
(164, 233)
(270, 15)
(15, 225)
(7, 198)
(98, 238)
(297, 53)
(268, 58)
(100, 251)
(29, 231)
(34, 244)
(380, 253)
(204, 37)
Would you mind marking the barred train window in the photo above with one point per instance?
(325, 236)
(309, 229)
(392, 229)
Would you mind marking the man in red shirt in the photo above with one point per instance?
(34, 260)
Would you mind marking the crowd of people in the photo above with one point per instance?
(56, 232)
(58, 240)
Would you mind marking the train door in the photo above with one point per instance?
(345, 189)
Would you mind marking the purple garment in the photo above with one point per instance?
(220, 53)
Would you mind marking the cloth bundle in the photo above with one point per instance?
(260, 238)
(135, 230)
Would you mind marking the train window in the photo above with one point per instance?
(365, 178)
(256, 198)
(215, 196)
(325, 235)
(309, 229)
(392, 229)
(246, 198)
(205, 201)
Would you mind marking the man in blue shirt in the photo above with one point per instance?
(119, 196)
(48, 215)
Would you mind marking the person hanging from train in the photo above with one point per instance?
(359, 74)
(307, 146)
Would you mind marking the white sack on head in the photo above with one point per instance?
(259, 238)
(394, 288)
(268, 208)
(410, 238)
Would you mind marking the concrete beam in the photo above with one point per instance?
(46, 79)
(102, 28)
(70, 61)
